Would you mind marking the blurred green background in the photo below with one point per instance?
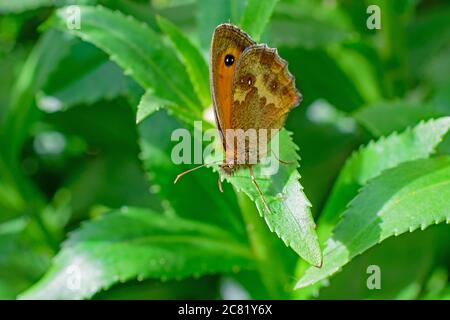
(71, 150)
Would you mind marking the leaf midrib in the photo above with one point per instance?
(178, 239)
(139, 53)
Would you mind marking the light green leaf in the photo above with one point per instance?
(195, 64)
(209, 15)
(368, 162)
(212, 13)
(149, 104)
(256, 15)
(137, 243)
(22, 260)
(8, 6)
(139, 51)
(411, 196)
(290, 217)
(386, 117)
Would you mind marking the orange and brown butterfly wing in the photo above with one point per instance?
(263, 90)
(228, 40)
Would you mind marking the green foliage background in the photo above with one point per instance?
(88, 209)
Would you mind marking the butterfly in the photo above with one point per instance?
(251, 89)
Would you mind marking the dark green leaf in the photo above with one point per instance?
(139, 51)
(71, 83)
(22, 114)
(310, 66)
(137, 243)
(197, 195)
(404, 263)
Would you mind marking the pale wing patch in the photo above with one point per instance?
(263, 90)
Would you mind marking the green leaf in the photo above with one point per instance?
(22, 114)
(22, 258)
(149, 104)
(71, 83)
(303, 30)
(290, 217)
(8, 6)
(191, 289)
(209, 14)
(137, 243)
(383, 118)
(414, 194)
(256, 16)
(426, 35)
(368, 162)
(197, 195)
(309, 65)
(195, 64)
(20, 193)
(139, 51)
(404, 262)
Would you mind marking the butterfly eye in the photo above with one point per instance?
(229, 60)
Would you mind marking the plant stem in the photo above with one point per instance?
(393, 28)
(264, 246)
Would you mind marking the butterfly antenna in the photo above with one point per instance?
(187, 171)
(193, 169)
(259, 190)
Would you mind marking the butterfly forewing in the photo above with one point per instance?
(227, 45)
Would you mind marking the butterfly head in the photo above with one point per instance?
(228, 167)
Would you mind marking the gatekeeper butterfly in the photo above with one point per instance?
(251, 88)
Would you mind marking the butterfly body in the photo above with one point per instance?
(252, 92)
(251, 89)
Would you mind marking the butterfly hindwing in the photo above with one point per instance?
(263, 90)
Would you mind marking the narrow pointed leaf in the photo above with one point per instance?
(139, 50)
(290, 217)
(196, 65)
(368, 162)
(71, 83)
(137, 243)
(256, 16)
(411, 196)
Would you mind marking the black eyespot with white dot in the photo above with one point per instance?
(229, 60)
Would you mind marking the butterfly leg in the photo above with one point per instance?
(282, 161)
(252, 176)
(219, 183)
